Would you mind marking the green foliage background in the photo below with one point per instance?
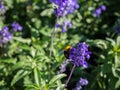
(25, 63)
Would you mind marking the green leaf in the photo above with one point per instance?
(19, 39)
(18, 65)
(55, 78)
(118, 41)
(101, 43)
(36, 76)
(116, 72)
(19, 75)
(117, 85)
(43, 32)
(32, 86)
(24, 47)
(47, 12)
(12, 61)
(117, 60)
(111, 41)
(60, 86)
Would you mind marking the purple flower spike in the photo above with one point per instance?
(65, 7)
(5, 35)
(79, 55)
(16, 26)
(80, 83)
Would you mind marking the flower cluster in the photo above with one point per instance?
(80, 83)
(16, 26)
(64, 26)
(79, 54)
(99, 10)
(65, 7)
(5, 34)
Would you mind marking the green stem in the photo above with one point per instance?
(70, 75)
(52, 37)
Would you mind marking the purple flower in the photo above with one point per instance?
(66, 24)
(2, 8)
(99, 10)
(117, 29)
(103, 7)
(16, 26)
(5, 28)
(83, 82)
(57, 25)
(57, 2)
(5, 35)
(79, 54)
(65, 7)
(63, 66)
(80, 83)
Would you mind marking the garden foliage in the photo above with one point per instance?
(30, 60)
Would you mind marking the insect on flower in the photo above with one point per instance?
(78, 55)
(66, 51)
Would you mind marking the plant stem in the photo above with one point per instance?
(70, 75)
(51, 46)
(52, 37)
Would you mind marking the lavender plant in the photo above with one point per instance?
(5, 35)
(78, 56)
(63, 8)
(25, 37)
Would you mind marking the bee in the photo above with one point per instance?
(66, 51)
